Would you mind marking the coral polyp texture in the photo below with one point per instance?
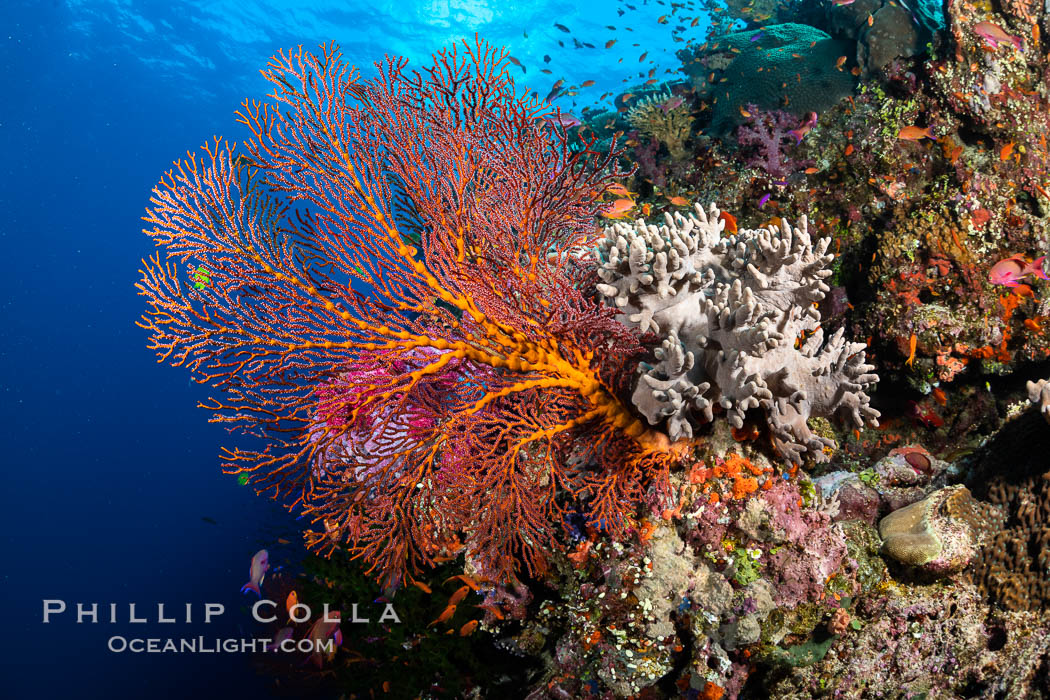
(739, 327)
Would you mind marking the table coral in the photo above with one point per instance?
(738, 324)
(781, 66)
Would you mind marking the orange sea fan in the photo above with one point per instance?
(393, 308)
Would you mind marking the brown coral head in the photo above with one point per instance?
(907, 535)
(937, 533)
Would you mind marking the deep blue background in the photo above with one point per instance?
(108, 467)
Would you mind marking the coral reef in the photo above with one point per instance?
(782, 66)
(738, 327)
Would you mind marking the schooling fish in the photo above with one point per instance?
(995, 35)
(1009, 271)
(260, 565)
(562, 27)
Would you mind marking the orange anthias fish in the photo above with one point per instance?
(445, 615)
(619, 190)
(678, 201)
(916, 133)
(290, 602)
(457, 597)
(619, 209)
(1006, 151)
(730, 220)
(468, 628)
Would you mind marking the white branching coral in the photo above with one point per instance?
(739, 327)
(1039, 394)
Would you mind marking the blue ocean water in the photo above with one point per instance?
(109, 468)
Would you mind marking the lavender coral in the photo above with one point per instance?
(729, 311)
(766, 134)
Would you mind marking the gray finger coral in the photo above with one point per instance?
(739, 326)
(1039, 394)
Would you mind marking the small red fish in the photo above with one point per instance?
(915, 133)
(926, 418)
(730, 220)
(468, 628)
(445, 615)
(457, 597)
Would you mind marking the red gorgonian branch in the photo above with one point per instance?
(395, 307)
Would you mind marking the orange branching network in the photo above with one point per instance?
(397, 307)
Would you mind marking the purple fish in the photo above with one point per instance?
(283, 634)
(565, 121)
(806, 126)
(260, 565)
(762, 202)
(675, 101)
(758, 36)
(995, 35)
(1010, 271)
